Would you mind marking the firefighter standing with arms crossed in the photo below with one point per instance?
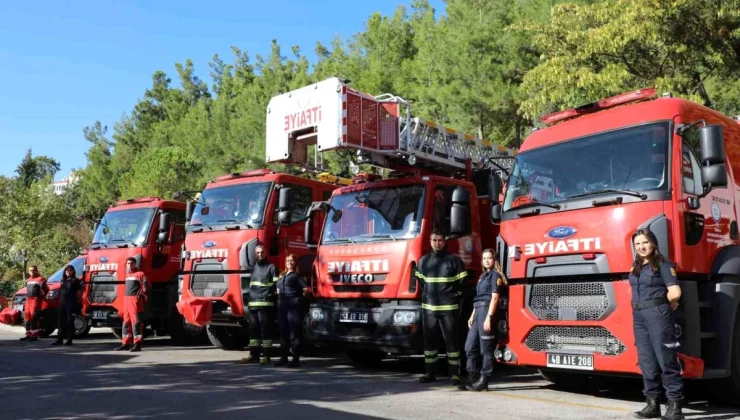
(133, 307)
(36, 290)
(261, 308)
(440, 275)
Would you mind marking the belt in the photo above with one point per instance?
(479, 303)
(288, 296)
(649, 303)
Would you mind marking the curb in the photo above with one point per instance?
(18, 329)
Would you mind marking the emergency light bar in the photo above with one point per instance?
(245, 174)
(137, 200)
(621, 99)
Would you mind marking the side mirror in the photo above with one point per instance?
(188, 210)
(460, 212)
(164, 228)
(496, 211)
(308, 231)
(251, 257)
(495, 185)
(336, 216)
(712, 156)
(285, 205)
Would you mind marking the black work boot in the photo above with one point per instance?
(651, 410)
(673, 411)
(480, 385)
(252, 358)
(296, 362)
(123, 347)
(136, 347)
(23, 338)
(427, 378)
(472, 377)
(57, 342)
(68, 343)
(282, 362)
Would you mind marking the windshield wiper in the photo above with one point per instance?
(379, 235)
(535, 204)
(247, 225)
(125, 243)
(340, 240)
(612, 190)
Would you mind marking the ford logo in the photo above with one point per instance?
(209, 244)
(103, 259)
(561, 232)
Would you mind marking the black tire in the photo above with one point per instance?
(228, 338)
(366, 358)
(566, 380)
(183, 334)
(117, 332)
(728, 390)
(82, 326)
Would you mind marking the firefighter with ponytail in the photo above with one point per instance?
(480, 341)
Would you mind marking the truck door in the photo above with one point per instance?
(467, 246)
(290, 240)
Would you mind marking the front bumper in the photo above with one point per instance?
(379, 332)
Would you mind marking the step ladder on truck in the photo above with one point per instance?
(366, 296)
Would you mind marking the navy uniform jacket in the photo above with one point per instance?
(650, 285)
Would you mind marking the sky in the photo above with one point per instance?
(67, 64)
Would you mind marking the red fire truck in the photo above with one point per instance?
(151, 230)
(578, 190)
(232, 215)
(366, 296)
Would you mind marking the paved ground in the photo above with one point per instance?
(89, 381)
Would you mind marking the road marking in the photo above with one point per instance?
(572, 404)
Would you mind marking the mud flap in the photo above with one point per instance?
(198, 312)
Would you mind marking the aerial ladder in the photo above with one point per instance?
(330, 115)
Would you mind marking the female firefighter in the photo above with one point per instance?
(291, 286)
(655, 295)
(69, 305)
(480, 340)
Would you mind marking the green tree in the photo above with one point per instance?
(596, 50)
(160, 172)
(36, 168)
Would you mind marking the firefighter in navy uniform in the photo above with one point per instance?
(440, 275)
(70, 297)
(291, 286)
(655, 295)
(36, 290)
(261, 308)
(480, 340)
(133, 307)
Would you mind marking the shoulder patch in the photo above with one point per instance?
(499, 281)
(673, 271)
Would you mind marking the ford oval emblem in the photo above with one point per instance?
(103, 259)
(209, 244)
(561, 232)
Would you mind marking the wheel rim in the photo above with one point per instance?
(80, 324)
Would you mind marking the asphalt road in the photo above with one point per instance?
(90, 381)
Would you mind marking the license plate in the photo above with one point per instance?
(361, 317)
(100, 315)
(18, 307)
(570, 361)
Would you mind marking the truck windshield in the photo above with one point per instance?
(376, 214)
(243, 203)
(631, 159)
(124, 227)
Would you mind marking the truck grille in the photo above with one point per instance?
(359, 289)
(355, 304)
(209, 284)
(588, 339)
(569, 301)
(102, 288)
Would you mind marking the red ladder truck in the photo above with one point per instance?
(152, 231)
(232, 215)
(376, 230)
(578, 191)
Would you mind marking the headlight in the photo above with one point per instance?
(317, 314)
(508, 355)
(52, 294)
(404, 317)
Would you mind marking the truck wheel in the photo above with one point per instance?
(118, 332)
(366, 358)
(728, 390)
(184, 334)
(565, 380)
(82, 327)
(227, 338)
